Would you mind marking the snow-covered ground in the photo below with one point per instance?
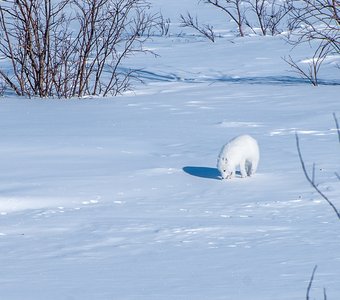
(120, 198)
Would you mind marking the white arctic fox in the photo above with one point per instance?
(241, 151)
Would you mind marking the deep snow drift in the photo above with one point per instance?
(120, 198)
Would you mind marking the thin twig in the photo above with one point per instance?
(337, 125)
(337, 175)
(311, 282)
(324, 294)
(205, 30)
(310, 180)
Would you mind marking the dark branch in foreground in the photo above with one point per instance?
(311, 180)
(310, 285)
(310, 282)
(337, 125)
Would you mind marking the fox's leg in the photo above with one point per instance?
(249, 167)
(243, 168)
(253, 168)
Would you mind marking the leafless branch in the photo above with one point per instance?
(317, 23)
(50, 57)
(337, 175)
(270, 14)
(234, 9)
(313, 65)
(337, 125)
(205, 30)
(164, 25)
(310, 283)
(267, 15)
(311, 180)
(324, 294)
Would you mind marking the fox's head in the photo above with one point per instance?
(225, 168)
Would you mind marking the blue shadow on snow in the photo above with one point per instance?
(203, 172)
(271, 80)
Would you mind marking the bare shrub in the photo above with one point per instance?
(270, 15)
(266, 15)
(316, 20)
(205, 30)
(310, 68)
(71, 48)
(337, 126)
(317, 23)
(164, 25)
(234, 9)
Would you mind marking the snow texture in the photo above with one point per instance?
(120, 198)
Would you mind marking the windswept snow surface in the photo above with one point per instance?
(120, 198)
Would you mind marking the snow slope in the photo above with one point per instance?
(120, 198)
